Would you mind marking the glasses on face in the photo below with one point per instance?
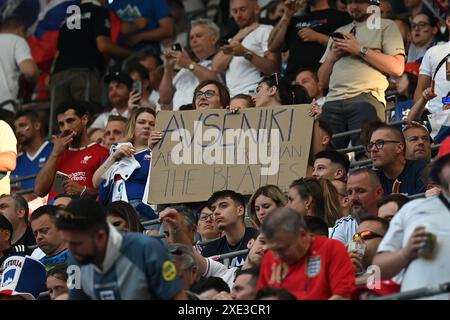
(208, 94)
(420, 25)
(206, 216)
(366, 235)
(379, 144)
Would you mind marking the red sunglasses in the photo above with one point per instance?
(366, 235)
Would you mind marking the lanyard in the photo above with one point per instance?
(444, 201)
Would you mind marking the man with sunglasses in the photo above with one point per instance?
(397, 175)
(355, 70)
(370, 232)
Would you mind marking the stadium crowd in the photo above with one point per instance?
(82, 83)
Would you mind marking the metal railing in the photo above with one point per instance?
(351, 132)
(418, 293)
(226, 257)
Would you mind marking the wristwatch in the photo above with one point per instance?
(248, 55)
(192, 66)
(363, 51)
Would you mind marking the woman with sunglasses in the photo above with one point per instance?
(315, 197)
(210, 94)
(263, 201)
(123, 176)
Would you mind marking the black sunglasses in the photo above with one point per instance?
(379, 144)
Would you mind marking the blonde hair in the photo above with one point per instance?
(269, 191)
(131, 124)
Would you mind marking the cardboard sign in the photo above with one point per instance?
(209, 150)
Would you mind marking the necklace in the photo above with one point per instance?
(236, 246)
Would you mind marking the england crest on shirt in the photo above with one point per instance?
(313, 266)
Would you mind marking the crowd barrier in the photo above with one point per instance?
(418, 293)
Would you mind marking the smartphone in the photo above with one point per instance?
(337, 35)
(58, 183)
(224, 42)
(177, 47)
(137, 86)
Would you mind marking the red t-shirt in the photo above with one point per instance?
(80, 164)
(326, 270)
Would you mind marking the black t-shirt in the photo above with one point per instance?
(27, 241)
(78, 47)
(308, 54)
(221, 246)
(410, 179)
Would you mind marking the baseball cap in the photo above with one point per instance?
(23, 276)
(413, 68)
(120, 77)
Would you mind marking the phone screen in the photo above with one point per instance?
(176, 47)
(137, 86)
(337, 35)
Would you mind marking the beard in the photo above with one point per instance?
(85, 259)
(76, 139)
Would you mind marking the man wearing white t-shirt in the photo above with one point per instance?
(177, 89)
(408, 244)
(430, 62)
(15, 58)
(246, 58)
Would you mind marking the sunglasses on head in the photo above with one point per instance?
(272, 80)
(366, 235)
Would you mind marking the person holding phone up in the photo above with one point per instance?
(177, 88)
